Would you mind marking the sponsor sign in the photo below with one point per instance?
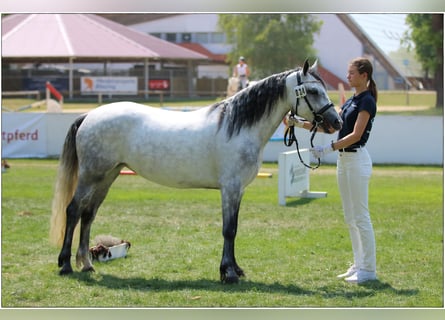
(109, 85)
(159, 84)
(23, 136)
(39, 83)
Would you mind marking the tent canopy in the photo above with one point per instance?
(83, 37)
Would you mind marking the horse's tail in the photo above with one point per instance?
(66, 184)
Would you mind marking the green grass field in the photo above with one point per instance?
(291, 255)
(417, 103)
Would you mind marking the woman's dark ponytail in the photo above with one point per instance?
(364, 65)
(373, 88)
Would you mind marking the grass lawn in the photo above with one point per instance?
(398, 102)
(291, 255)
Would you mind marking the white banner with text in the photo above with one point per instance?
(109, 85)
(34, 135)
(24, 136)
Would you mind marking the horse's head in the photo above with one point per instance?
(309, 99)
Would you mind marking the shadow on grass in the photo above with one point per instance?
(371, 288)
(158, 285)
(299, 201)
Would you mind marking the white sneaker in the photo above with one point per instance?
(350, 272)
(361, 276)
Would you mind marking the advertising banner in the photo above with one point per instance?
(39, 83)
(159, 84)
(109, 85)
(24, 135)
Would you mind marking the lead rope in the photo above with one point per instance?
(290, 138)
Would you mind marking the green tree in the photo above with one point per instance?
(426, 36)
(271, 43)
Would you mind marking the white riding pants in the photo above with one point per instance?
(353, 173)
(243, 81)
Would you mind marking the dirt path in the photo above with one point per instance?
(401, 108)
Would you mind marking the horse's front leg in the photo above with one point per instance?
(229, 269)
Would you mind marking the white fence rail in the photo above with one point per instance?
(394, 139)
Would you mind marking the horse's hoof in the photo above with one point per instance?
(61, 261)
(230, 280)
(239, 272)
(231, 275)
(65, 271)
(89, 269)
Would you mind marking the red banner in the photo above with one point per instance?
(158, 84)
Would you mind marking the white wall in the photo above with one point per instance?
(187, 23)
(199, 22)
(394, 139)
(213, 71)
(336, 45)
(407, 139)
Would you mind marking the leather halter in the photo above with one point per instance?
(300, 92)
(289, 135)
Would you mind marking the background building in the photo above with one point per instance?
(182, 54)
(342, 37)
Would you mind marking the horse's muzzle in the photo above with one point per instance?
(331, 126)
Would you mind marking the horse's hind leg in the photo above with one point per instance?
(75, 212)
(72, 218)
(96, 197)
(87, 199)
(82, 256)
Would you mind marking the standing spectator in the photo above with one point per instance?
(242, 72)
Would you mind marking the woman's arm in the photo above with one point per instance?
(350, 139)
(356, 134)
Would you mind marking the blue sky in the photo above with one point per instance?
(384, 29)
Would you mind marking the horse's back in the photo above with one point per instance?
(131, 111)
(169, 147)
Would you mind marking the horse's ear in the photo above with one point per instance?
(306, 66)
(314, 67)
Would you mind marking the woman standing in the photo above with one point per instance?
(354, 167)
(242, 71)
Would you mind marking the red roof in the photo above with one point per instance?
(331, 79)
(82, 36)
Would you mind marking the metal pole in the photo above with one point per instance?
(146, 78)
(70, 78)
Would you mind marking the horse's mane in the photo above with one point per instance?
(249, 106)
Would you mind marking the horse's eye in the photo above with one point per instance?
(312, 90)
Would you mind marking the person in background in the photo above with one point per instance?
(242, 72)
(354, 167)
(5, 165)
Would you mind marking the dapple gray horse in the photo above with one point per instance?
(216, 147)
